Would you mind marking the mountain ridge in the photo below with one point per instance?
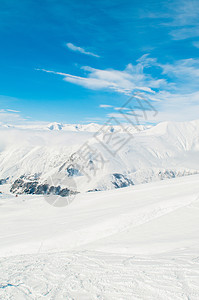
(167, 150)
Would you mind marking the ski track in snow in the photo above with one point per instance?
(98, 275)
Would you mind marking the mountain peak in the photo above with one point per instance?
(55, 126)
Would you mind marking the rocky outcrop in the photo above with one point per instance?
(120, 181)
(20, 186)
(3, 181)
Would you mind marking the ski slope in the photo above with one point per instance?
(140, 242)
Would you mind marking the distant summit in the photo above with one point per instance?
(55, 126)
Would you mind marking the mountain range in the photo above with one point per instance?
(64, 159)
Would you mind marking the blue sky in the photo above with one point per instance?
(79, 61)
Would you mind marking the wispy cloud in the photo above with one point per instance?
(5, 100)
(105, 106)
(196, 44)
(93, 120)
(120, 108)
(181, 17)
(175, 89)
(185, 21)
(80, 49)
(125, 82)
(186, 105)
(9, 116)
(182, 75)
(14, 111)
(185, 33)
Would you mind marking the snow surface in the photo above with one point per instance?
(140, 242)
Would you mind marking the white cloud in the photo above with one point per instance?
(175, 95)
(105, 106)
(185, 16)
(177, 107)
(120, 108)
(170, 107)
(81, 50)
(93, 120)
(9, 116)
(188, 67)
(196, 44)
(185, 33)
(12, 110)
(130, 79)
(182, 75)
(167, 112)
(182, 18)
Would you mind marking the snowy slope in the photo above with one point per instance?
(93, 217)
(136, 243)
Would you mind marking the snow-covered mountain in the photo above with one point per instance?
(91, 127)
(140, 242)
(61, 160)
